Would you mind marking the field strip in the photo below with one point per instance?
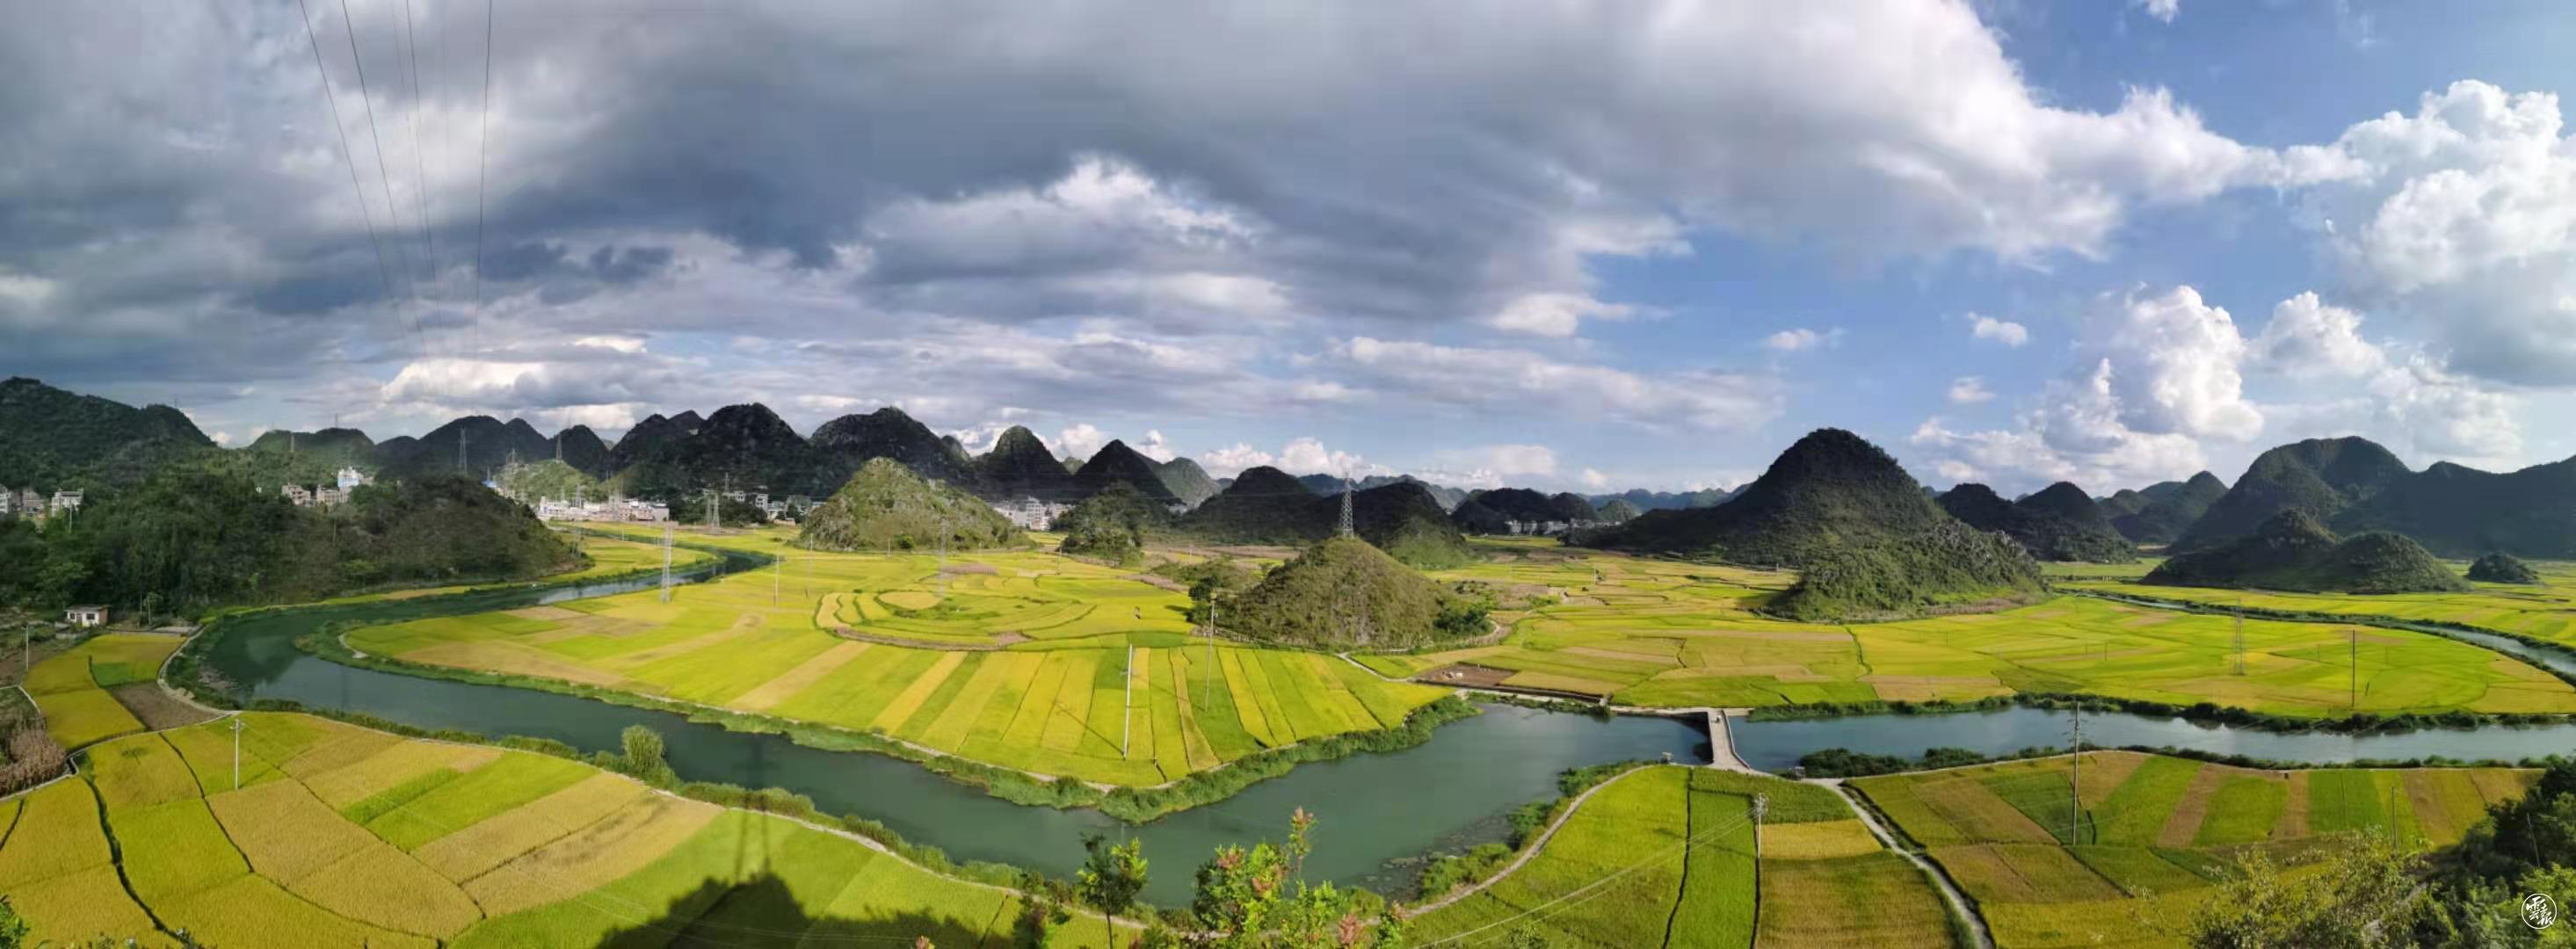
(1959, 905)
(768, 694)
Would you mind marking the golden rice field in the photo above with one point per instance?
(1664, 856)
(2547, 611)
(1017, 659)
(70, 688)
(1662, 633)
(342, 836)
(2119, 853)
(611, 553)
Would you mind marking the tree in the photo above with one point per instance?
(1251, 899)
(644, 759)
(2367, 897)
(13, 928)
(1110, 878)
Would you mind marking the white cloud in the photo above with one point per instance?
(1556, 314)
(623, 344)
(1595, 480)
(1079, 441)
(2002, 331)
(1801, 338)
(1153, 446)
(1491, 466)
(2307, 339)
(224, 439)
(1228, 462)
(2164, 10)
(1309, 456)
(1487, 379)
(2462, 221)
(1969, 390)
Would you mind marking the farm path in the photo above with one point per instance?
(1527, 852)
(1949, 891)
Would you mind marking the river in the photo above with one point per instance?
(1378, 812)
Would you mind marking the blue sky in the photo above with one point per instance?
(1564, 246)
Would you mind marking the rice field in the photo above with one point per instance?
(341, 836)
(2546, 611)
(1665, 856)
(1018, 659)
(2102, 855)
(71, 687)
(612, 553)
(1659, 633)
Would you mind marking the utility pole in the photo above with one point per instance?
(777, 571)
(2353, 703)
(463, 438)
(943, 556)
(1761, 804)
(2240, 634)
(666, 561)
(1207, 693)
(1127, 718)
(237, 730)
(2075, 784)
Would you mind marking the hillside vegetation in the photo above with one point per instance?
(2291, 551)
(1111, 525)
(1266, 506)
(2161, 512)
(1346, 593)
(887, 507)
(50, 438)
(549, 479)
(1950, 566)
(2060, 522)
(2503, 568)
(1830, 492)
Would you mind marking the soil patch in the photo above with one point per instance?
(1465, 675)
(157, 709)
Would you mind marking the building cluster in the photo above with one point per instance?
(1029, 513)
(326, 495)
(613, 509)
(788, 507)
(29, 504)
(1550, 528)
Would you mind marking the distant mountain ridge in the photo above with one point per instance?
(2351, 486)
(52, 438)
(1644, 500)
(1831, 490)
(2292, 551)
(1267, 506)
(2159, 513)
(2059, 522)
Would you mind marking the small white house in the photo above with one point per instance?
(86, 616)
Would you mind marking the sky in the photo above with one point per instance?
(1564, 245)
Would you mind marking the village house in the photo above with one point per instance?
(1029, 513)
(296, 494)
(65, 502)
(30, 504)
(8, 502)
(86, 616)
(351, 478)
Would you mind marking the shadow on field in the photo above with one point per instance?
(763, 912)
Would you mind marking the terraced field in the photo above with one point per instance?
(2544, 612)
(2151, 834)
(1645, 632)
(1024, 661)
(1664, 856)
(71, 688)
(341, 836)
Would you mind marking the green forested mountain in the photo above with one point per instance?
(1645, 500)
(2292, 551)
(887, 507)
(1831, 491)
(747, 446)
(331, 446)
(1346, 593)
(1525, 505)
(1266, 506)
(549, 479)
(1186, 480)
(650, 436)
(2159, 513)
(582, 448)
(1112, 525)
(1473, 517)
(489, 444)
(2503, 568)
(1948, 566)
(2060, 522)
(2319, 477)
(1619, 511)
(53, 439)
(845, 443)
(197, 535)
(1021, 466)
(1115, 463)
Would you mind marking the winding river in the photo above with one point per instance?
(1379, 812)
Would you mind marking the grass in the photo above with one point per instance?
(2546, 611)
(1660, 633)
(1664, 856)
(1051, 699)
(2157, 831)
(545, 851)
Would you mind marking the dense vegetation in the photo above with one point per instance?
(2291, 551)
(1527, 506)
(50, 438)
(1115, 463)
(845, 443)
(1021, 466)
(2463, 512)
(1948, 566)
(1345, 593)
(1266, 506)
(2503, 568)
(1186, 480)
(198, 536)
(1645, 500)
(331, 446)
(548, 479)
(1111, 525)
(2160, 512)
(1619, 511)
(887, 507)
(2318, 477)
(1831, 491)
(2060, 522)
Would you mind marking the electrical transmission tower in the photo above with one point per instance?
(463, 438)
(2075, 784)
(2240, 634)
(1346, 502)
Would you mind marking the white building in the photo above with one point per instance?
(8, 501)
(1032, 514)
(352, 477)
(86, 616)
(65, 502)
(30, 504)
(296, 494)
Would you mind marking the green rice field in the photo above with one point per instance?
(1660, 633)
(1016, 659)
(70, 688)
(341, 836)
(613, 552)
(2546, 611)
(1664, 856)
(2120, 850)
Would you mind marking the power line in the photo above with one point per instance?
(482, 165)
(365, 216)
(420, 168)
(359, 58)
